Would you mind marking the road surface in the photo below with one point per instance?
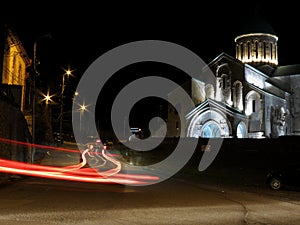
(181, 200)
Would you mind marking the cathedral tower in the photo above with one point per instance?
(257, 43)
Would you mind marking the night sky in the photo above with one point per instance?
(83, 32)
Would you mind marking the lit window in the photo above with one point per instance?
(240, 132)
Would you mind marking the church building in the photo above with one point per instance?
(252, 97)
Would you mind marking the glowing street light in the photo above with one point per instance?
(82, 108)
(67, 73)
(47, 98)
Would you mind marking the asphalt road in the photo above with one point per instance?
(182, 200)
(216, 197)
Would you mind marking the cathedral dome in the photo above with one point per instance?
(255, 24)
(256, 42)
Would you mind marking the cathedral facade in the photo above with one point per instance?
(252, 96)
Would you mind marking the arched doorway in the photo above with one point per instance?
(209, 124)
(210, 130)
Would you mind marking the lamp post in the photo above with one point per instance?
(82, 109)
(47, 98)
(67, 73)
(35, 74)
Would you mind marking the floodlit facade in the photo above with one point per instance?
(252, 96)
(15, 61)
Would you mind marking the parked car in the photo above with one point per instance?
(287, 177)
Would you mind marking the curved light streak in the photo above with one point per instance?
(77, 172)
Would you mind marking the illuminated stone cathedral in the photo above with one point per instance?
(252, 97)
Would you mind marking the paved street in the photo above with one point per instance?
(179, 200)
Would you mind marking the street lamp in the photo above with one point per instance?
(82, 109)
(67, 73)
(35, 74)
(48, 101)
(47, 98)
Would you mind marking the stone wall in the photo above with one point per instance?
(13, 128)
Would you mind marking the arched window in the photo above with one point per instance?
(248, 48)
(224, 80)
(253, 103)
(242, 50)
(271, 46)
(223, 86)
(265, 49)
(241, 130)
(256, 49)
(238, 95)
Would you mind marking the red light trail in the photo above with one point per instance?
(77, 172)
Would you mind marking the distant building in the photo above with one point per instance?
(14, 63)
(252, 97)
(13, 73)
